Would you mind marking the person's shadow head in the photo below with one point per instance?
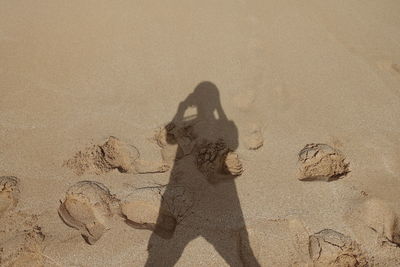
(205, 98)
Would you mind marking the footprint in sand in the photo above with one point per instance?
(112, 154)
(9, 192)
(88, 206)
(321, 162)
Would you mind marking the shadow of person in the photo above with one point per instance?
(205, 165)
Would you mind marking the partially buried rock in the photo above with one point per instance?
(9, 192)
(174, 140)
(214, 158)
(321, 162)
(88, 207)
(232, 164)
(158, 208)
(331, 248)
(113, 154)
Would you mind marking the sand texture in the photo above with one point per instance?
(200, 133)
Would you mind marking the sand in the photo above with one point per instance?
(289, 74)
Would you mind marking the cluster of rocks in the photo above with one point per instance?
(89, 207)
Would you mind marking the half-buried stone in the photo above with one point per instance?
(321, 162)
(157, 208)
(88, 206)
(217, 162)
(112, 154)
(9, 193)
(331, 248)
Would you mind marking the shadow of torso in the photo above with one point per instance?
(216, 205)
(204, 142)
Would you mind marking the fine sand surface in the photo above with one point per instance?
(84, 86)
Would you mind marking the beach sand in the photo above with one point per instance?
(289, 73)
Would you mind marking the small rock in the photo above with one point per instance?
(120, 155)
(158, 208)
(321, 162)
(113, 154)
(214, 158)
(331, 248)
(232, 164)
(88, 206)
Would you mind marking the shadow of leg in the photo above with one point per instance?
(166, 252)
(245, 250)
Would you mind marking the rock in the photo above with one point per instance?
(158, 208)
(321, 162)
(331, 248)
(113, 154)
(88, 207)
(232, 164)
(120, 155)
(9, 193)
(98, 159)
(214, 158)
(174, 140)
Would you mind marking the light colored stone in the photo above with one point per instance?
(113, 154)
(158, 208)
(321, 162)
(331, 248)
(88, 207)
